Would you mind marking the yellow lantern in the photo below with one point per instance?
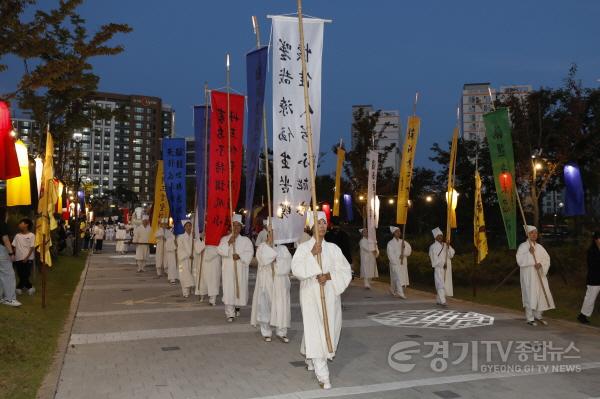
(18, 191)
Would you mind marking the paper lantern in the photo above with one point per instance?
(452, 194)
(348, 207)
(327, 209)
(506, 182)
(574, 195)
(18, 190)
(9, 163)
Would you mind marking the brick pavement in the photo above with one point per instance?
(136, 337)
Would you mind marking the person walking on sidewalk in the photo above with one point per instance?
(334, 275)
(271, 299)
(24, 245)
(235, 293)
(593, 279)
(8, 294)
(398, 259)
(141, 236)
(441, 254)
(185, 255)
(534, 262)
(368, 258)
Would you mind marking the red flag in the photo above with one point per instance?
(9, 163)
(218, 212)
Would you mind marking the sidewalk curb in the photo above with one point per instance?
(50, 382)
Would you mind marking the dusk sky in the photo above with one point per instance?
(375, 52)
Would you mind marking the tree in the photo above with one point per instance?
(550, 128)
(366, 137)
(123, 196)
(58, 78)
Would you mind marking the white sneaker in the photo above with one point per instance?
(31, 291)
(309, 365)
(202, 298)
(325, 385)
(14, 303)
(19, 291)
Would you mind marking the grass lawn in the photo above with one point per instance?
(28, 335)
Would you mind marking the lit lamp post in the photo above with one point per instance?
(77, 139)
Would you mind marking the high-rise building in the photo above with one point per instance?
(388, 123)
(477, 101)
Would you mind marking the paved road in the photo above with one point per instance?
(136, 337)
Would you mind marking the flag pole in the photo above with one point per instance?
(450, 194)
(311, 169)
(228, 88)
(256, 29)
(404, 225)
(204, 182)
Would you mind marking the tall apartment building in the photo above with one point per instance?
(120, 150)
(476, 102)
(392, 134)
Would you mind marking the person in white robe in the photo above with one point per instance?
(334, 276)
(141, 237)
(534, 263)
(398, 259)
(210, 271)
(271, 299)
(236, 253)
(185, 257)
(262, 235)
(120, 237)
(368, 258)
(441, 254)
(161, 237)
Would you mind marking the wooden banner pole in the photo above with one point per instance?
(311, 168)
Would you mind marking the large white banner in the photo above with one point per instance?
(372, 200)
(291, 184)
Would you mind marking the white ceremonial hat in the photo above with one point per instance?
(185, 221)
(237, 218)
(437, 232)
(529, 228)
(393, 229)
(361, 230)
(311, 218)
(145, 217)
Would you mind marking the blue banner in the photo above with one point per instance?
(173, 151)
(256, 74)
(201, 132)
(348, 207)
(574, 195)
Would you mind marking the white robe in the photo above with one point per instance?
(245, 250)
(261, 237)
(368, 261)
(120, 236)
(305, 267)
(210, 273)
(184, 261)
(141, 235)
(399, 266)
(166, 253)
(198, 258)
(271, 299)
(531, 290)
(443, 278)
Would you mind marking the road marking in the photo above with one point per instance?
(193, 307)
(423, 382)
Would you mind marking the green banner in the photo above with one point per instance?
(498, 133)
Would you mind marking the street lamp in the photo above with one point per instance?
(361, 197)
(538, 166)
(391, 201)
(429, 198)
(77, 137)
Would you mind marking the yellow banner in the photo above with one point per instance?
(341, 155)
(47, 201)
(452, 200)
(406, 167)
(479, 237)
(161, 204)
(18, 191)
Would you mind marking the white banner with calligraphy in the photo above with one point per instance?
(372, 200)
(291, 184)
